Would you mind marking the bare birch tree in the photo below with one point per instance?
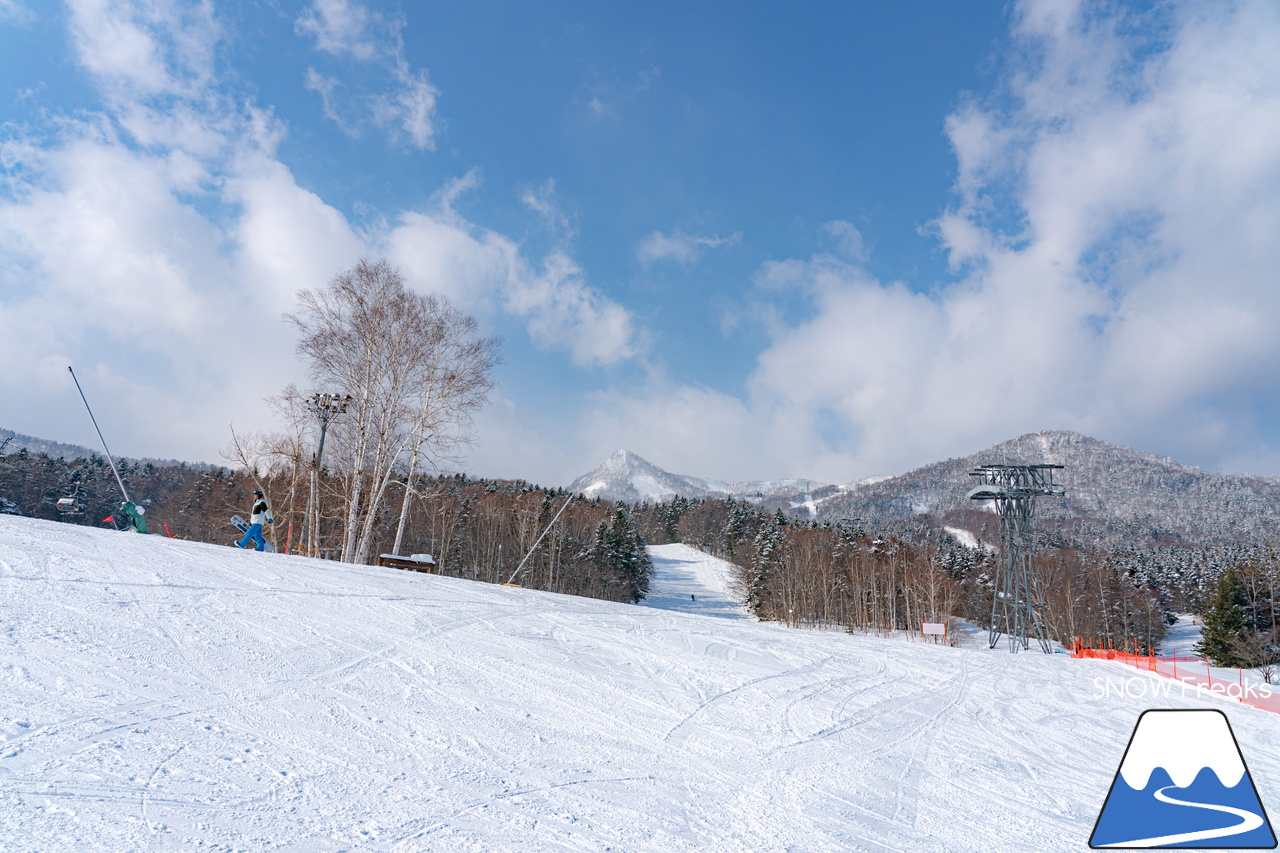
(416, 369)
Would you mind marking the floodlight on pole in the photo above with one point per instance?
(326, 407)
(1017, 606)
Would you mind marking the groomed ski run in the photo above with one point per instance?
(166, 695)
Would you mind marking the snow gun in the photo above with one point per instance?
(132, 510)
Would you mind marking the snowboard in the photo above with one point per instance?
(243, 527)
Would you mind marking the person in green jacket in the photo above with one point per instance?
(135, 515)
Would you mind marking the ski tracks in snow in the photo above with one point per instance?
(158, 694)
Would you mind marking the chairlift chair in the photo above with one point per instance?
(71, 504)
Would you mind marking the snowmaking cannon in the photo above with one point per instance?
(133, 514)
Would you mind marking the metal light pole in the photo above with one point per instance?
(1017, 606)
(326, 407)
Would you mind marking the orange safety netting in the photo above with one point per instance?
(1194, 675)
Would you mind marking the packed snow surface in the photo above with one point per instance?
(964, 537)
(166, 695)
(1183, 637)
(690, 581)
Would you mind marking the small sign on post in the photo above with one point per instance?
(934, 629)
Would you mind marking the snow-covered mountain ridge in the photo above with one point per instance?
(157, 694)
(12, 442)
(1116, 496)
(625, 476)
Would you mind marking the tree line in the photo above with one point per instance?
(840, 574)
(478, 529)
(1239, 626)
(353, 471)
(790, 570)
(31, 484)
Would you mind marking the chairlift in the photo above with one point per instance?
(71, 504)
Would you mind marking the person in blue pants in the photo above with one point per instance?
(257, 516)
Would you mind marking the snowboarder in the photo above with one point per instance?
(257, 516)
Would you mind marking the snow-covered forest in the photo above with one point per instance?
(793, 569)
(1116, 497)
(476, 529)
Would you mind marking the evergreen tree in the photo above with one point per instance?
(634, 562)
(765, 565)
(620, 552)
(1225, 623)
(735, 527)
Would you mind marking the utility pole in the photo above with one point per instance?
(1017, 606)
(326, 407)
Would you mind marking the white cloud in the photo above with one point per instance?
(138, 50)
(155, 244)
(348, 30)
(542, 200)
(563, 311)
(1114, 233)
(286, 238)
(848, 238)
(1134, 294)
(410, 108)
(683, 429)
(324, 87)
(684, 249)
(15, 12)
(343, 28)
(485, 271)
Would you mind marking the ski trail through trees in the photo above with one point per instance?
(686, 580)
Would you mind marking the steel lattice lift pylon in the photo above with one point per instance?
(1017, 606)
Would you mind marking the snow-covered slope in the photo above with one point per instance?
(164, 695)
(689, 581)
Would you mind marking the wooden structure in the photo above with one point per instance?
(416, 563)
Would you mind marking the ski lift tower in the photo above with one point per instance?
(1017, 607)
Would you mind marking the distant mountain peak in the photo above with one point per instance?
(629, 459)
(626, 476)
(1115, 496)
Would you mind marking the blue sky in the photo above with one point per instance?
(743, 240)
